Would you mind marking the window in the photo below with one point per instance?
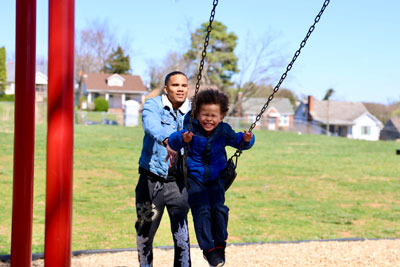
(365, 130)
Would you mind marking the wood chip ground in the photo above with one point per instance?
(383, 252)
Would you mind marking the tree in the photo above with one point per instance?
(259, 62)
(117, 62)
(171, 62)
(3, 70)
(93, 47)
(383, 112)
(328, 94)
(221, 62)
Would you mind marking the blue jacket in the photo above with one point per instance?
(159, 121)
(206, 164)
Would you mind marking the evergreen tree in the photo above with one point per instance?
(3, 70)
(221, 62)
(117, 62)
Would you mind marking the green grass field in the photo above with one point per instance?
(289, 187)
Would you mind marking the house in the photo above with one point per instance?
(278, 115)
(40, 82)
(346, 119)
(116, 88)
(391, 130)
(10, 87)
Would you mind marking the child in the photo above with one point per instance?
(206, 161)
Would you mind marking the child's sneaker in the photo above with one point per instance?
(220, 248)
(213, 258)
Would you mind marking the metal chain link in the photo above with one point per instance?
(203, 56)
(288, 68)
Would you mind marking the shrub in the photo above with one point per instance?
(100, 104)
(7, 98)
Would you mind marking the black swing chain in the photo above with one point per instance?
(203, 56)
(288, 68)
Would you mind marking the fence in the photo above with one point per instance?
(117, 119)
(80, 117)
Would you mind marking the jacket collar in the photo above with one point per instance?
(166, 103)
(199, 128)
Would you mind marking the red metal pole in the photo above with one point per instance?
(24, 133)
(60, 134)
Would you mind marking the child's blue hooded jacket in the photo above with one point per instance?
(206, 164)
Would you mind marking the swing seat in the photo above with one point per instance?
(229, 173)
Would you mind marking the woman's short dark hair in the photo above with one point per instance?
(211, 96)
(169, 75)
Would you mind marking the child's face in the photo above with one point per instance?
(210, 116)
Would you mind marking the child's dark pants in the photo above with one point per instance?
(210, 215)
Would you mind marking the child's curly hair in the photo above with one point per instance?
(211, 96)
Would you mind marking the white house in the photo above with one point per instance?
(41, 81)
(10, 88)
(115, 88)
(346, 119)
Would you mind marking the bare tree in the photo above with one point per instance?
(93, 46)
(173, 61)
(258, 64)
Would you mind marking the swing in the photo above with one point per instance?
(229, 173)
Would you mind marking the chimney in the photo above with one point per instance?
(310, 107)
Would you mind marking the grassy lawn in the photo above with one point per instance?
(289, 187)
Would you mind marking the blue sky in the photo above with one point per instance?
(354, 49)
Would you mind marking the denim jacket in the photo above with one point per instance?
(159, 120)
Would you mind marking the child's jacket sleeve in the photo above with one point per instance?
(236, 140)
(175, 140)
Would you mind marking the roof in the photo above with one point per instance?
(343, 113)
(396, 122)
(254, 105)
(154, 93)
(97, 82)
(41, 70)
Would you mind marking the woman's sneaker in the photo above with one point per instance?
(213, 258)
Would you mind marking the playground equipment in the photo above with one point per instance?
(232, 162)
(59, 135)
(60, 129)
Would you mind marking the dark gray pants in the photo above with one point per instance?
(149, 210)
